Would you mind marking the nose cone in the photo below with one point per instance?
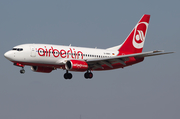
(8, 55)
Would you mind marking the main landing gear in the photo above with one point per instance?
(67, 75)
(88, 75)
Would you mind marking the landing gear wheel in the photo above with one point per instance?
(67, 75)
(88, 75)
(22, 71)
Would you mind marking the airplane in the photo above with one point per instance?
(45, 58)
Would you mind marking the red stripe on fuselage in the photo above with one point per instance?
(131, 61)
(39, 64)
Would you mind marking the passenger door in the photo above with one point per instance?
(33, 51)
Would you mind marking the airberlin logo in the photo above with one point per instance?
(139, 35)
(80, 66)
(70, 53)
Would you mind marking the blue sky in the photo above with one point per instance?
(146, 90)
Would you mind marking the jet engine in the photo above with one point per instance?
(76, 65)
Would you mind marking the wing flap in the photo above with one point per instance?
(107, 63)
(121, 61)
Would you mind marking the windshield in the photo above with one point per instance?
(18, 49)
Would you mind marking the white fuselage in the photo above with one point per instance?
(54, 54)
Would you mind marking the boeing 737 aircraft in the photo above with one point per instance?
(46, 57)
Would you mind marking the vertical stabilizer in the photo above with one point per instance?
(135, 41)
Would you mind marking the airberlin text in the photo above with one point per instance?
(70, 53)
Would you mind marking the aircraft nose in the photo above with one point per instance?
(8, 55)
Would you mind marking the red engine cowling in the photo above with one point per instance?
(76, 65)
(41, 69)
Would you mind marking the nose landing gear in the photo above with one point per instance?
(22, 71)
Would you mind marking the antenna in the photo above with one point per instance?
(80, 116)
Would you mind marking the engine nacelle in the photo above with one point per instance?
(41, 69)
(76, 65)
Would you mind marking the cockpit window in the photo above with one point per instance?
(18, 49)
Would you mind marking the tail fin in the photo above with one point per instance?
(135, 41)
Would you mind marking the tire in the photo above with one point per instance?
(65, 76)
(86, 75)
(69, 75)
(90, 75)
(22, 71)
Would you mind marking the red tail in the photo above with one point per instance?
(135, 41)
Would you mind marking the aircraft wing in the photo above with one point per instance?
(97, 63)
